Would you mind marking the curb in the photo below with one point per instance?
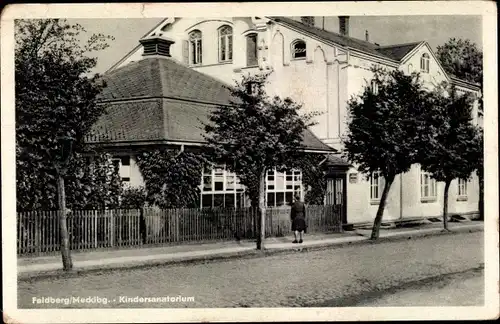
(247, 254)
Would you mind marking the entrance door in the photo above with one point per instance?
(336, 194)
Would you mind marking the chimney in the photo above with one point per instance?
(344, 25)
(308, 20)
(367, 37)
(155, 45)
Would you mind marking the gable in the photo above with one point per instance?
(136, 53)
(411, 63)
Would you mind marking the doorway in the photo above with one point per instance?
(336, 194)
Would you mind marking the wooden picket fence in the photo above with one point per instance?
(38, 231)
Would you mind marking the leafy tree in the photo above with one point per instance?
(462, 58)
(133, 198)
(313, 176)
(93, 182)
(254, 134)
(453, 151)
(172, 178)
(54, 97)
(382, 134)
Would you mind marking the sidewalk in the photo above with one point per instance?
(29, 267)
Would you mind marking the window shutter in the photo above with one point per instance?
(185, 51)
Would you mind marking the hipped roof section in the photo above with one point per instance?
(159, 100)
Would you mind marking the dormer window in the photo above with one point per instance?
(225, 44)
(195, 46)
(424, 63)
(299, 49)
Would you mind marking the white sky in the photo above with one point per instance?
(385, 30)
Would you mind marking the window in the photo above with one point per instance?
(376, 186)
(125, 160)
(281, 187)
(424, 63)
(252, 50)
(299, 49)
(122, 166)
(195, 47)
(374, 87)
(225, 44)
(462, 188)
(428, 190)
(221, 188)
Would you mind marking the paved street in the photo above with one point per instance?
(464, 289)
(321, 278)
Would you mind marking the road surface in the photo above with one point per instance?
(334, 277)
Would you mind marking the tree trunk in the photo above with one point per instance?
(381, 207)
(65, 252)
(262, 210)
(445, 204)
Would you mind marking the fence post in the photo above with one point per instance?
(112, 230)
(37, 234)
(177, 229)
(95, 229)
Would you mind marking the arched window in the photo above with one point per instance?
(225, 43)
(298, 49)
(195, 46)
(252, 49)
(424, 63)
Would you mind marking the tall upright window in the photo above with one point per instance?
(376, 186)
(225, 44)
(462, 187)
(424, 63)
(299, 49)
(281, 187)
(221, 188)
(252, 50)
(195, 46)
(122, 165)
(374, 87)
(428, 189)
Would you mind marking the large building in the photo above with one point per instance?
(320, 69)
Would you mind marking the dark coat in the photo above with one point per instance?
(298, 210)
(298, 215)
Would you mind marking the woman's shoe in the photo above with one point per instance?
(295, 241)
(301, 241)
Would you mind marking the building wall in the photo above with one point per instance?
(311, 81)
(323, 82)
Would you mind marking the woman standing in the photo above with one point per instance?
(298, 215)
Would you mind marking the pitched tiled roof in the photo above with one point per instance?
(331, 36)
(139, 120)
(393, 52)
(160, 77)
(397, 52)
(158, 99)
(336, 160)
